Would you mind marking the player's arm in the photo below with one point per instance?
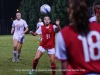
(38, 32)
(13, 28)
(26, 29)
(58, 26)
(61, 54)
(32, 33)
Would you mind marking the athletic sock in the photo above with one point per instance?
(15, 52)
(53, 67)
(35, 62)
(18, 56)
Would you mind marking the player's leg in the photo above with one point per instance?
(39, 53)
(15, 44)
(51, 54)
(20, 44)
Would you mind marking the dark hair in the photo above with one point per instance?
(80, 16)
(47, 16)
(39, 18)
(96, 8)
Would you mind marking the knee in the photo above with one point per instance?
(15, 47)
(36, 58)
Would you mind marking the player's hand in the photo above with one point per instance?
(31, 32)
(23, 33)
(57, 21)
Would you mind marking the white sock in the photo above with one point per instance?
(18, 56)
(14, 52)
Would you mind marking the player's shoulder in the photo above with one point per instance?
(53, 25)
(67, 28)
(92, 19)
(23, 20)
(15, 20)
(94, 25)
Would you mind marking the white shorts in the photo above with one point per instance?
(50, 51)
(19, 38)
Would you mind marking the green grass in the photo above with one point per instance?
(7, 67)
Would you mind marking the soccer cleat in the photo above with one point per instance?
(17, 60)
(31, 72)
(13, 60)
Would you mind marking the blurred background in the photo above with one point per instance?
(30, 10)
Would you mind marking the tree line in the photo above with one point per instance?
(30, 10)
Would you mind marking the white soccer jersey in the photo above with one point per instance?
(19, 26)
(92, 19)
(39, 24)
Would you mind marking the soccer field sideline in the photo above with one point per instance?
(7, 67)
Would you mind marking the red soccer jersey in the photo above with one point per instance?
(83, 53)
(48, 37)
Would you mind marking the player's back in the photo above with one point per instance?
(83, 52)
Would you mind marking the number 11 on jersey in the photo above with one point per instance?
(89, 46)
(47, 36)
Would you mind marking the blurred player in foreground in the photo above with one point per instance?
(40, 23)
(96, 6)
(18, 36)
(78, 44)
(47, 32)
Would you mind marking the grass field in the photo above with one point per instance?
(7, 67)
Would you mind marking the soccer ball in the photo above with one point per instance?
(45, 9)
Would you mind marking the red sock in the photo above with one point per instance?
(53, 67)
(35, 62)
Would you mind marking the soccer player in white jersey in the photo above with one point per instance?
(95, 7)
(40, 23)
(18, 35)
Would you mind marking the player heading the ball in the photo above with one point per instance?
(47, 32)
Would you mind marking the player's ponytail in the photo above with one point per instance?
(79, 16)
(96, 8)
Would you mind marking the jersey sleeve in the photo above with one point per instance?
(39, 31)
(54, 27)
(25, 24)
(13, 25)
(92, 19)
(60, 48)
(42, 23)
